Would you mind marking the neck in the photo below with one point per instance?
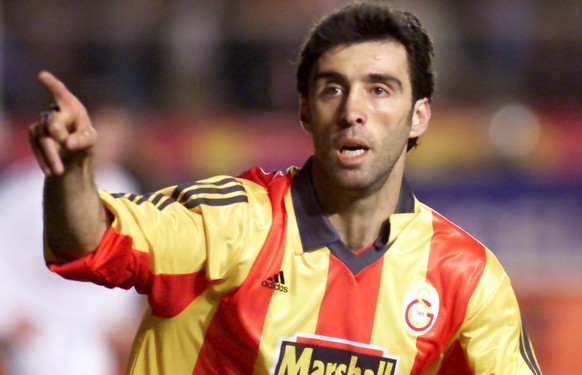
(358, 215)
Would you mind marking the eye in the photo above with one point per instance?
(332, 91)
(379, 91)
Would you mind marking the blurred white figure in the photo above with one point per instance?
(49, 325)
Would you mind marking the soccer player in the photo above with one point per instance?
(332, 268)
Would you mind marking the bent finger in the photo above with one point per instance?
(38, 154)
(52, 155)
(57, 126)
(46, 150)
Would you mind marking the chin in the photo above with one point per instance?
(352, 180)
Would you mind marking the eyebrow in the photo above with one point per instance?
(326, 74)
(385, 78)
(371, 77)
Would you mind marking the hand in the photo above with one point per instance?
(64, 134)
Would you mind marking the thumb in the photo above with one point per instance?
(81, 140)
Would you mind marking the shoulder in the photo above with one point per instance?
(261, 177)
(275, 183)
(460, 266)
(458, 254)
(450, 239)
(254, 185)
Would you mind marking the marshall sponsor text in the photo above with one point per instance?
(313, 358)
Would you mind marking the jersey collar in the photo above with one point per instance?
(315, 230)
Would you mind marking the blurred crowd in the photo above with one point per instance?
(175, 54)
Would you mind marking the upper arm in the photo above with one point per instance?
(214, 225)
(493, 334)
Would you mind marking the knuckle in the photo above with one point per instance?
(56, 126)
(52, 126)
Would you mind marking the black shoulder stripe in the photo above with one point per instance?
(226, 190)
(527, 352)
(216, 201)
(224, 181)
(166, 203)
(157, 198)
(181, 187)
(140, 199)
(161, 201)
(132, 197)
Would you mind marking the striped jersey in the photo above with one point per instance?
(246, 275)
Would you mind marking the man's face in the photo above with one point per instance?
(359, 112)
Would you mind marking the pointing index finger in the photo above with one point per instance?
(59, 91)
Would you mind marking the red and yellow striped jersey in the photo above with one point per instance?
(246, 275)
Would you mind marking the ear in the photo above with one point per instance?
(420, 118)
(305, 114)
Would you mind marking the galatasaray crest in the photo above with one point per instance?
(420, 308)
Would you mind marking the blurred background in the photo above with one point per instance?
(208, 87)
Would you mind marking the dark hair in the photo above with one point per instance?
(364, 22)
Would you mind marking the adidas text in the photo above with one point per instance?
(276, 286)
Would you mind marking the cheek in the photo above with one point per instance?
(325, 110)
(395, 131)
(397, 117)
(323, 115)
(322, 139)
(321, 122)
(319, 137)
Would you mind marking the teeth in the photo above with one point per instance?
(352, 153)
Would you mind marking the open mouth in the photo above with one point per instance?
(352, 151)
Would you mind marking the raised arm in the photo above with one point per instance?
(64, 141)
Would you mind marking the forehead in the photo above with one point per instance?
(353, 60)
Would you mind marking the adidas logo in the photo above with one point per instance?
(277, 282)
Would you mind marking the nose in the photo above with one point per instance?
(353, 110)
